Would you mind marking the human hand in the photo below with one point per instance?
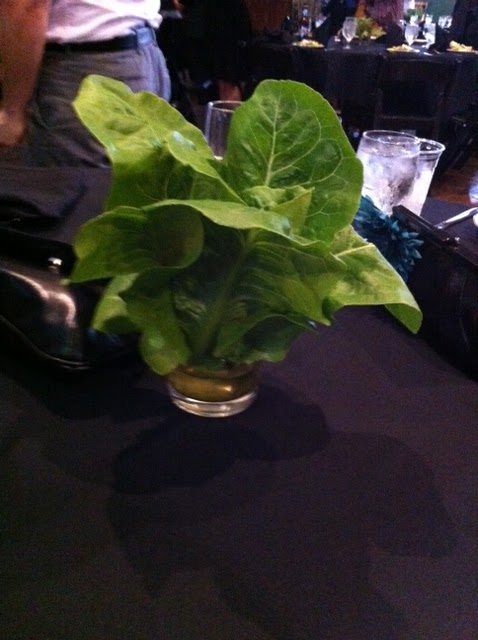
(13, 129)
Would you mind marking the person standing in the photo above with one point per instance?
(47, 47)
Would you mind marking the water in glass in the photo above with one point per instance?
(430, 152)
(389, 161)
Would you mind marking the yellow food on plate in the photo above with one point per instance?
(308, 43)
(460, 48)
(403, 48)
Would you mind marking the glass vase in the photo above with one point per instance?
(213, 393)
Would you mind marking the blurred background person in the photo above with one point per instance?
(335, 12)
(385, 13)
(47, 47)
(214, 35)
(464, 26)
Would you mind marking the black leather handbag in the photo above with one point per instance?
(445, 284)
(47, 318)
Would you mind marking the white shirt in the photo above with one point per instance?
(87, 20)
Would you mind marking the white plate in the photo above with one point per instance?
(475, 219)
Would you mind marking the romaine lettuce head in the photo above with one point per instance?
(228, 260)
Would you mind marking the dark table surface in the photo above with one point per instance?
(343, 505)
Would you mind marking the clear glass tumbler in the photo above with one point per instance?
(430, 152)
(389, 161)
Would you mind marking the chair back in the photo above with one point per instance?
(356, 76)
(412, 93)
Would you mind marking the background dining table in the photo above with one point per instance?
(350, 75)
(342, 505)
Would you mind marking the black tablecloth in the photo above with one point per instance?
(341, 506)
(349, 76)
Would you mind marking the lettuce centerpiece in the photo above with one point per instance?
(368, 29)
(217, 262)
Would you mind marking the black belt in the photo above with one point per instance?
(142, 37)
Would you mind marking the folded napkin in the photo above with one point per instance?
(39, 195)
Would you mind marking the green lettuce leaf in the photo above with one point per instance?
(228, 260)
(287, 135)
(155, 153)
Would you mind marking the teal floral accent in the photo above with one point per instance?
(396, 244)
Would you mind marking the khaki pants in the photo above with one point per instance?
(57, 137)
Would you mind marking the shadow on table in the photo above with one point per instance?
(118, 427)
(279, 515)
(267, 518)
(187, 450)
(283, 542)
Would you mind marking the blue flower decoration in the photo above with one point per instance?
(396, 244)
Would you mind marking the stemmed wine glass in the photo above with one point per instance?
(218, 119)
(349, 30)
(411, 33)
(430, 33)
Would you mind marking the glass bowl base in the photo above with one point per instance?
(210, 409)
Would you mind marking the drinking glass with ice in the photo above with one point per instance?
(430, 152)
(389, 161)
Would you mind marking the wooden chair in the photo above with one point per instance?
(412, 94)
